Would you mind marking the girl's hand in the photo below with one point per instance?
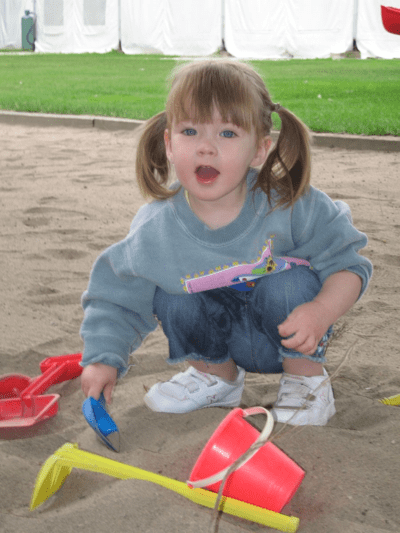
(98, 378)
(306, 325)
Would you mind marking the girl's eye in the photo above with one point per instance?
(189, 132)
(228, 134)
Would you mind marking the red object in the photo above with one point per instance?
(22, 402)
(28, 411)
(391, 19)
(269, 479)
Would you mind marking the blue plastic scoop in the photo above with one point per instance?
(96, 415)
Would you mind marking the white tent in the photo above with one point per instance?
(250, 28)
(288, 28)
(171, 27)
(75, 26)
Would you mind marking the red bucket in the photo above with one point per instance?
(391, 19)
(269, 479)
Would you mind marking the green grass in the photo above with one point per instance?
(360, 97)
(100, 84)
(349, 95)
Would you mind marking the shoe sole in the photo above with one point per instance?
(321, 422)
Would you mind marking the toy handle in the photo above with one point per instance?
(261, 440)
(43, 382)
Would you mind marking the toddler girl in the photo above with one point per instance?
(246, 270)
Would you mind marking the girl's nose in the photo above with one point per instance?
(206, 146)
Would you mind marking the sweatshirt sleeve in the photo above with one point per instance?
(324, 234)
(118, 310)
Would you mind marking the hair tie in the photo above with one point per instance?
(276, 108)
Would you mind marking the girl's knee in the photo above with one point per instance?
(292, 287)
(275, 296)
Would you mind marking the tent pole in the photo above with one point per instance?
(119, 27)
(223, 48)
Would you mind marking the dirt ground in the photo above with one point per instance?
(66, 194)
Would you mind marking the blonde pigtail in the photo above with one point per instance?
(287, 169)
(152, 167)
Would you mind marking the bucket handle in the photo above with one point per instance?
(262, 439)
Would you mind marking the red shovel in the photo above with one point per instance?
(22, 402)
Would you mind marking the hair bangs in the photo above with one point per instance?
(214, 85)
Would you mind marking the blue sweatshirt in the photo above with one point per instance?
(169, 247)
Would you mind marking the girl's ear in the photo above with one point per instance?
(168, 148)
(262, 152)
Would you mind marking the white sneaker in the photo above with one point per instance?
(304, 400)
(191, 390)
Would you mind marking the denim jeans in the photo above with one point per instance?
(216, 325)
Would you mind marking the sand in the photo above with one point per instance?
(66, 194)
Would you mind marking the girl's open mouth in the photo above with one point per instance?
(206, 174)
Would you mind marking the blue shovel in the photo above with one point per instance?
(96, 415)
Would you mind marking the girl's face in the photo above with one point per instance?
(212, 159)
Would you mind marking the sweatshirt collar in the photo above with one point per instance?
(247, 219)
